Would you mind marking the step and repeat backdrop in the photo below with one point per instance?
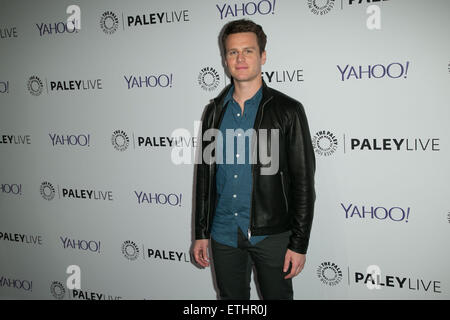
(94, 206)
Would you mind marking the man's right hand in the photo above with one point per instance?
(201, 252)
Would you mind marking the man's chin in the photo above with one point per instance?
(243, 78)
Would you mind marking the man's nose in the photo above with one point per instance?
(240, 56)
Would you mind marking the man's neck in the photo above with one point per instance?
(244, 90)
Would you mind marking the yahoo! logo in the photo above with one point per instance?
(171, 199)
(13, 188)
(56, 28)
(25, 285)
(83, 245)
(396, 214)
(393, 70)
(4, 86)
(149, 81)
(262, 7)
(82, 140)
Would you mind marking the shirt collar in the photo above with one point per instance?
(252, 101)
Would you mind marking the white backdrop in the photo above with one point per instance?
(85, 139)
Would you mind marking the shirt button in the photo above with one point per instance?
(238, 114)
(237, 155)
(235, 176)
(234, 196)
(236, 214)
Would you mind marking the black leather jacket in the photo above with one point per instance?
(282, 201)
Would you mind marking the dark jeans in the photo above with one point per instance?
(233, 267)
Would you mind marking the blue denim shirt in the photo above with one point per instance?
(234, 180)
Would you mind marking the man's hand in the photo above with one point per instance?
(201, 252)
(297, 261)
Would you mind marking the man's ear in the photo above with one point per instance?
(263, 57)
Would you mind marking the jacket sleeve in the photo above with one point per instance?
(302, 166)
(201, 189)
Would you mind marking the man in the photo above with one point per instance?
(252, 215)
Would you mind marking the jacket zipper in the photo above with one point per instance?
(249, 231)
(284, 192)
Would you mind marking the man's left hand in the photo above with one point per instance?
(297, 261)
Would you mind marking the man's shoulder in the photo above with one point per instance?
(284, 100)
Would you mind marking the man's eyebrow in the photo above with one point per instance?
(242, 48)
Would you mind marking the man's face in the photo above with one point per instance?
(242, 56)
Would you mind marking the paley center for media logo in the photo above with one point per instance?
(36, 85)
(32, 239)
(326, 143)
(322, 7)
(131, 251)
(329, 273)
(374, 277)
(59, 292)
(8, 32)
(109, 20)
(48, 192)
(208, 79)
(283, 76)
(120, 140)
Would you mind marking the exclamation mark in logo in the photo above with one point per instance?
(407, 214)
(406, 69)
